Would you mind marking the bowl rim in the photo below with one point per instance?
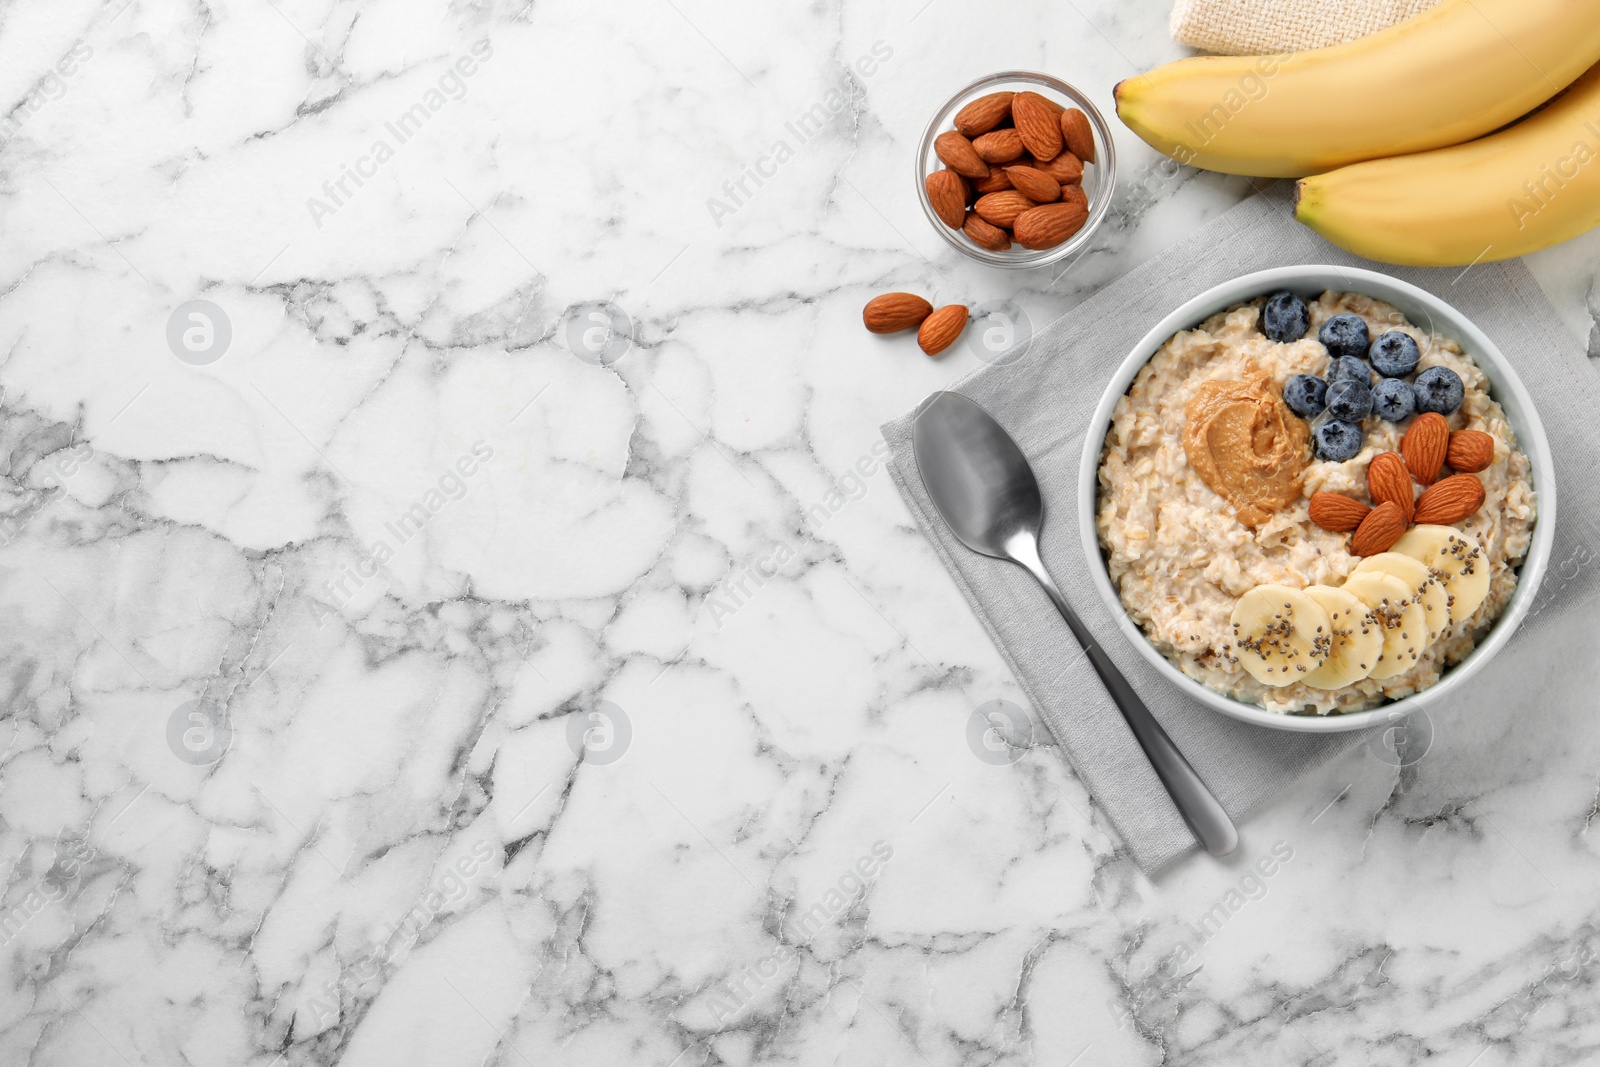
(1105, 177)
(1504, 385)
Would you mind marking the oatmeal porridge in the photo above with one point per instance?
(1248, 529)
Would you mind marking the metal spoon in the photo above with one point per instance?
(981, 483)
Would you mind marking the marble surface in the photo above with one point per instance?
(512, 429)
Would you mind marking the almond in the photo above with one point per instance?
(1077, 134)
(1075, 194)
(1066, 169)
(947, 192)
(1037, 123)
(1034, 184)
(1002, 208)
(999, 146)
(1049, 225)
(893, 312)
(986, 236)
(1449, 500)
(1470, 451)
(984, 114)
(957, 153)
(1337, 512)
(1388, 479)
(1425, 445)
(994, 183)
(940, 329)
(1055, 108)
(1378, 531)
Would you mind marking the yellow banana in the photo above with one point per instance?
(1452, 73)
(1530, 186)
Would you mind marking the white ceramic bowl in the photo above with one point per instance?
(1424, 310)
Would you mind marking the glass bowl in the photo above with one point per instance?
(1099, 177)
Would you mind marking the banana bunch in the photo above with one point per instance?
(1411, 136)
(1532, 185)
(1377, 625)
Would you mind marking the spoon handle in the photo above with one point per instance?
(1207, 820)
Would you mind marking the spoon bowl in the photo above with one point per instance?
(977, 476)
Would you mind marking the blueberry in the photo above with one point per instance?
(1439, 389)
(1337, 440)
(1342, 367)
(1305, 395)
(1349, 400)
(1284, 317)
(1344, 335)
(1392, 399)
(1395, 354)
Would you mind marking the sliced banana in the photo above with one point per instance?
(1280, 635)
(1456, 558)
(1422, 580)
(1401, 616)
(1357, 639)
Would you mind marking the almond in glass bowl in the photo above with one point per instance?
(1033, 138)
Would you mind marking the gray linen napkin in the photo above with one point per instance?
(1045, 399)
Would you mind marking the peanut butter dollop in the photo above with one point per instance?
(1247, 446)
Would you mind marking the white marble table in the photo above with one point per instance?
(306, 600)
